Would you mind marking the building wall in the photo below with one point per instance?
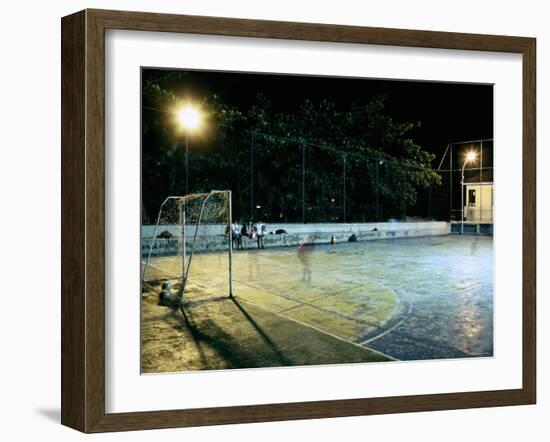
(482, 211)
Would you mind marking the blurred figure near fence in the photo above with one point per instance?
(474, 246)
(304, 255)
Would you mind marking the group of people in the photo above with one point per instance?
(254, 231)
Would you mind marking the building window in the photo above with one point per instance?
(472, 197)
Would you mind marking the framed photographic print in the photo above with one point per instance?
(269, 220)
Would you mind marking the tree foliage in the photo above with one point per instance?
(356, 162)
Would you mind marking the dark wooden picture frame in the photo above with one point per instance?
(83, 220)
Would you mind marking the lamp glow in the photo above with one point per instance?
(189, 117)
(471, 156)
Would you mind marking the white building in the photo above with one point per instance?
(478, 198)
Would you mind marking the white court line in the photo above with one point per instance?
(158, 268)
(364, 347)
(389, 330)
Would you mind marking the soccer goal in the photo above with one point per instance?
(187, 253)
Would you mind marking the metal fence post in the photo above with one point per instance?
(377, 190)
(303, 183)
(429, 201)
(344, 182)
(451, 185)
(252, 175)
(481, 180)
(228, 195)
(404, 192)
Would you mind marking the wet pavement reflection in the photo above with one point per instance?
(410, 299)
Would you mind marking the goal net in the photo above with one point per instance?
(186, 255)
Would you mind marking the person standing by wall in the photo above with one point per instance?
(260, 234)
(245, 232)
(236, 236)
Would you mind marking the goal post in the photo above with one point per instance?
(188, 252)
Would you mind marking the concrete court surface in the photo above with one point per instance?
(403, 299)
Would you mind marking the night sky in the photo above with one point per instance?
(449, 112)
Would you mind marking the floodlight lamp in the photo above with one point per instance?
(471, 156)
(189, 117)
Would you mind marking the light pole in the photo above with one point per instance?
(186, 163)
(470, 157)
(189, 119)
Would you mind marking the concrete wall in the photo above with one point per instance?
(297, 233)
(473, 228)
(218, 229)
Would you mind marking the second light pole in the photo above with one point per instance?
(470, 157)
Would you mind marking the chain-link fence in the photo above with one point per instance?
(283, 180)
(467, 185)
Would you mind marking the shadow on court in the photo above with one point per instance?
(231, 333)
